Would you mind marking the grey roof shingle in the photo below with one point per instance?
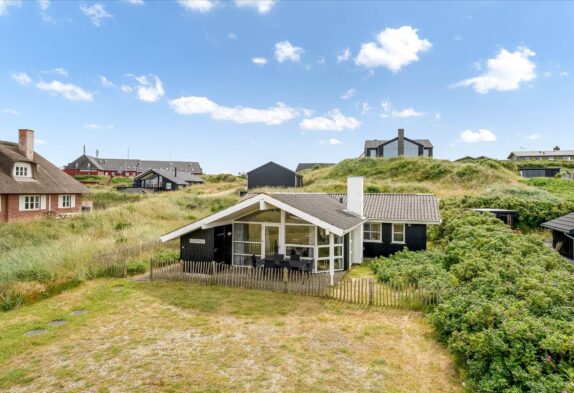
(310, 165)
(563, 224)
(119, 164)
(49, 179)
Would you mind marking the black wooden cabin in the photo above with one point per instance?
(562, 235)
(273, 175)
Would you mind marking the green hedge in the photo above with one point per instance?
(507, 303)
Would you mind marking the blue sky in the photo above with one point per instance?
(234, 84)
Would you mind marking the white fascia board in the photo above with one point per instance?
(381, 221)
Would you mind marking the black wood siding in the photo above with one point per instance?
(197, 252)
(567, 249)
(538, 172)
(415, 239)
(273, 175)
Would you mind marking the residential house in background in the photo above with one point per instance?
(31, 187)
(328, 231)
(398, 147)
(90, 165)
(161, 180)
(554, 154)
(273, 175)
(311, 165)
(562, 235)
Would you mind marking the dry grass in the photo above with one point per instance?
(179, 337)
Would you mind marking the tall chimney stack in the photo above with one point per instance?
(355, 195)
(401, 142)
(26, 143)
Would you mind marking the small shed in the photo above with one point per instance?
(538, 172)
(161, 180)
(562, 235)
(507, 216)
(273, 175)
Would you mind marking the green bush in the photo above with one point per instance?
(507, 303)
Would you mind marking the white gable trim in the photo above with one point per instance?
(262, 200)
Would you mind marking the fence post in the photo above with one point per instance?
(213, 267)
(151, 269)
(371, 285)
(285, 278)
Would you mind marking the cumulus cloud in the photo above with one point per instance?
(96, 126)
(44, 4)
(482, 135)
(259, 60)
(348, 94)
(365, 108)
(533, 136)
(66, 90)
(393, 49)
(39, 141)
(197, 5)
(285, 51)
(136, 2)
(505, 72)
(193, 105)
(5, 4)
(333, 121)
(106, 82)
(406, 113)
(126, 88)
(22, 78)
(96, 12)
(147, 90)
(262, 6)
(58, 71)
(344, 55)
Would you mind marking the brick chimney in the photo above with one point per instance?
(401, 142)
(26, 143)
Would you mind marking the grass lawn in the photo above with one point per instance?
(178, 337)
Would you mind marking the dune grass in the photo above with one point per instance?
(179, 337)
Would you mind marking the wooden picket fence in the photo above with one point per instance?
(366, 291)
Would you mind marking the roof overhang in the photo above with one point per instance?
(255, 203)
(412, 222)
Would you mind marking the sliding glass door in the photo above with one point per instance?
(271, 240)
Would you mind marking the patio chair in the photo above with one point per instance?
(279, 257)
(284, 264)
(269, 264)
(255, 260)
(295, 257)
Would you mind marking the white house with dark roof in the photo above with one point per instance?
(400, 146)
(554, 154)
(329, 232)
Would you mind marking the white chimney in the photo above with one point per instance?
(355, 195)
(26, 143)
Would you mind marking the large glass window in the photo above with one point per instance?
(398, 233)
(372, 232)
(323, 251)
(32, 202)
(300, 234)
(291, 219)
(411, 149)
(263, 216)
(391, 149)
(246, 243)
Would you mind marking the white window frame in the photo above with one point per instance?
(22, 170)
(31, 203)
(396, 232)
(65, 201)
(372, 231)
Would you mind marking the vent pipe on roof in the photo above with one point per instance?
(557, 148)
(355, 195)
(26, 143)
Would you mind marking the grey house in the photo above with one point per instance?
(162, 180)
(562, 235)
(328, 231)
(554, 154)
(398, 147)
(273, 175)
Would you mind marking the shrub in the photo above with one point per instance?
(506, 309)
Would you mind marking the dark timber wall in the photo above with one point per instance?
(192, 250)
(567, 249)
(273, 175)
(538, 172)
(415, 239)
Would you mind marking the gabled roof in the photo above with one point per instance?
(120, 164)
(272, 164)
(563, 224)
(49, 179)
(182, 178)
(542, 153)
(375, 143)
(310, 165)
(413, 208)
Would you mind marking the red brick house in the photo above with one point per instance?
(31, 187)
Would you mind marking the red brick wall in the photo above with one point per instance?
(11, 208)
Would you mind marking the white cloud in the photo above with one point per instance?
(136, 2)
(393, 49)
(321, 60)
(193, 105)
(262, 6)
(96, 126)
(197, 5)
(333, 121)
(504, 72)
(126, 88)
(44, 4)
(66, 90)
(348, 94)
(563, 73)
(12, 112)
(344, 55)
(334, 141)
(39, 141)
(406, 113)
(481, 135)
(533, 136)
(5, 4)
(22, 78)
(96, 12)
(365, 108)
(106, 82)
(285, 51)
(232, 36)
(259, 60)
(148, 91)
(58, 71)
(437, 116)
